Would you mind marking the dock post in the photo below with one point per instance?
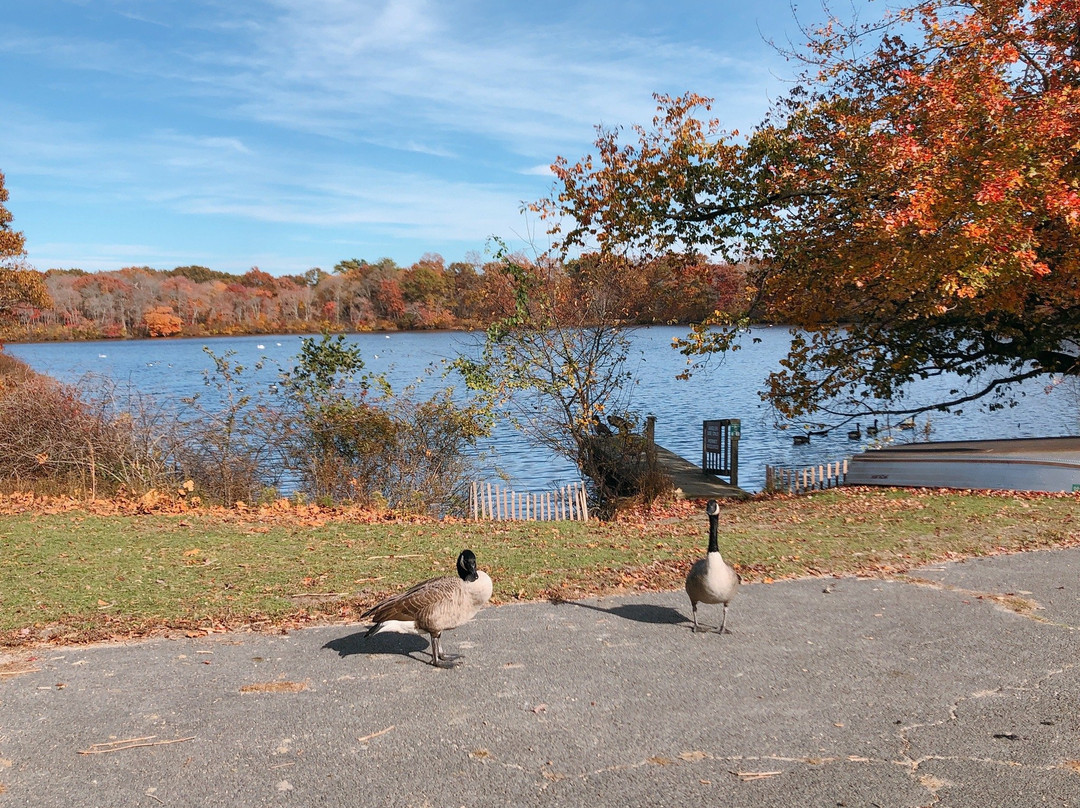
(735, 427)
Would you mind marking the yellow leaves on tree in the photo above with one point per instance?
(19, 285)
(11, 241)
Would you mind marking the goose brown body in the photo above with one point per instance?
(437, 604)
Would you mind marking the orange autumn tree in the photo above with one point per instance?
(161, 321)
(912, 205)
(19, 284)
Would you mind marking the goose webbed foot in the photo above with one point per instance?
(441, 660)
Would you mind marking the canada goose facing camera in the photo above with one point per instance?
(711, 579)
(435, 605)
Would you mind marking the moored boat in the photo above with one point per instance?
(1021, 464)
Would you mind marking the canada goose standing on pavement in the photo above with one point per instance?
(711, 579)
(435, 605)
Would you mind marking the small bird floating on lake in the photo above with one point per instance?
(435, 605)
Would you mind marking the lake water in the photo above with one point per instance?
(174, 368)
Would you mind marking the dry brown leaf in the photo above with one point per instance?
(275, 687)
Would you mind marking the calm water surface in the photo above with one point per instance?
(171, 369)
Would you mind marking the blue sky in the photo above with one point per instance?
(289, 134)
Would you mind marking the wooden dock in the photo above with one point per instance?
(691, 482)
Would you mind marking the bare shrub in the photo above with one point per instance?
(83, 438)
(557, 367)
(13, 370)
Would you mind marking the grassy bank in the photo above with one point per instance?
(69, 573)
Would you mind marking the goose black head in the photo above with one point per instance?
(466, 565)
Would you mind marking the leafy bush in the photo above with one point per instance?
(351, 438)
(228, 441)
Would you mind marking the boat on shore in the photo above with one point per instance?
(1018, 464)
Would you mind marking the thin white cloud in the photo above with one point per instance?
(543, 170)
(342, 70)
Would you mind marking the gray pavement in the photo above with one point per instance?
(828, 692)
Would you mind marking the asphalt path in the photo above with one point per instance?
(957, 686)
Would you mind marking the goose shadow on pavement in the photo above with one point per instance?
(638, 612)
(386, 642)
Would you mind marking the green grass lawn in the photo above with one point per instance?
(78, 576)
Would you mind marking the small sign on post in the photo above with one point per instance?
(720, 448)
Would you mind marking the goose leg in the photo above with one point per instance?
(438, 658)
(723, 620)
(693, 609)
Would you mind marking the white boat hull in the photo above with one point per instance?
(1023, 464)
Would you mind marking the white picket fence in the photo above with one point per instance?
(487, 501)
(807, 478)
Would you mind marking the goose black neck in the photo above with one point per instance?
(714, 529)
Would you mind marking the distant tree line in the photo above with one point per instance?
(357, 295)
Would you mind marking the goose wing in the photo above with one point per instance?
(413, 602)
